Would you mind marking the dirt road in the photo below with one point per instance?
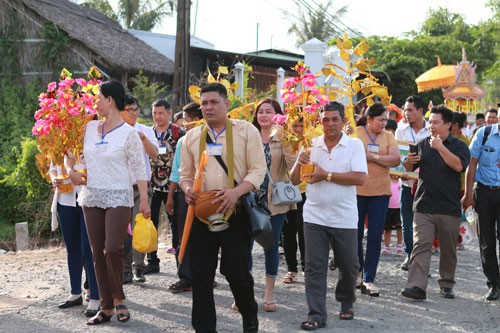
(34, 282)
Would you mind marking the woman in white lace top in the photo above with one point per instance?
(113, 151)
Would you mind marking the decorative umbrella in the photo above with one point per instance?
(436, 77)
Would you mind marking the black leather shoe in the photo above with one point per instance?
(251, 325)
(492, 294)
(414, 292)
(127, 277)
(69, 304)
(139, 276)
(447, 293)
(404, 265)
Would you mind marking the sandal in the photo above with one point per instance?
(399, 248)
(289, 278)
(99, 318)
(270, 306)
(346, 312)
(122, 316)
(312, 325)
(386, 250)
(368, 288)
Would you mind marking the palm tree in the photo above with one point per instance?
(315, 23)
(134, 14)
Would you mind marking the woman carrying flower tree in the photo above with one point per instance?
(113, 151)
(279, 161)
(382, 152)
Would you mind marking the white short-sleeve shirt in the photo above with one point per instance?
(150, 135)
(331, 204)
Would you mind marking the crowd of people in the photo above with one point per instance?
(351, 201)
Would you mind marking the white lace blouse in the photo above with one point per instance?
(110, 162)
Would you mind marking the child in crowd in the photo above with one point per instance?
(393, 220)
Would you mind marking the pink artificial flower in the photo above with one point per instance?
(52, 86)
(314, 91)
(38, 114)
(290, 82)
(308, 80)
(81, 82)
(312, 108)
(279, 119)
(288, 96)
(323, 99)
(67, 83)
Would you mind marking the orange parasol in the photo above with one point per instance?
(436, 77)
(190, 213)
(397, 109)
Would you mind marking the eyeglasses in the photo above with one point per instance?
(132, 110)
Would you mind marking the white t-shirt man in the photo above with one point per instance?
(330, 204)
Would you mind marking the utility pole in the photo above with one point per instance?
(182, 45)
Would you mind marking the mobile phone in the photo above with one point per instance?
(413, 149)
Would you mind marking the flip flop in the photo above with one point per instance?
(312, 325)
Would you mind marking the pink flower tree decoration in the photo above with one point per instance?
(65, 109)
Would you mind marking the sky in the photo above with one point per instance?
(232, 24)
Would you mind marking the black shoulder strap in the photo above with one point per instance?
(487, 131)
(220, 160)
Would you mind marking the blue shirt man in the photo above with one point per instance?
(484, 169)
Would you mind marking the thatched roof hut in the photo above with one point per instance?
(94, 39)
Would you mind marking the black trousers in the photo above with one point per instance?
(293, 228)
(488, 209)
(204, 248)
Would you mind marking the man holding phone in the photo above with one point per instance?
(414, 131)
(441, 159)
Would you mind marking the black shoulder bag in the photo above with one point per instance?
(256, 209)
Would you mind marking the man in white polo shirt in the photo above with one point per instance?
(330, 214)
(413, 131)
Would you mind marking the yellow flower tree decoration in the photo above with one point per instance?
(244, 111)
(350, 86)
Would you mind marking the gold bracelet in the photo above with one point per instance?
(329, 177)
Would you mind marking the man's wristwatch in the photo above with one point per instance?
(329, 177)
(375, 156)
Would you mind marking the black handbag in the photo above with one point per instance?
(256, 209)
(258, 214)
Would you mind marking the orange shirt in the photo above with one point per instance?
(378, 181)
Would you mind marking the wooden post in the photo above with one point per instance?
(22, 236)
(182, 45)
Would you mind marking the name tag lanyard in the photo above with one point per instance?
(412, 132)
(371, 139)
(103, 135)
(217, 136)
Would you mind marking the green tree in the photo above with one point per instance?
(442, 22)
(134, 14)
(316, 23)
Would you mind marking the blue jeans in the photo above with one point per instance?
(271, 255)
(376, 209)
(406, 203)
(77, 243)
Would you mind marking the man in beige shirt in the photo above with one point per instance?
(249, 172)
